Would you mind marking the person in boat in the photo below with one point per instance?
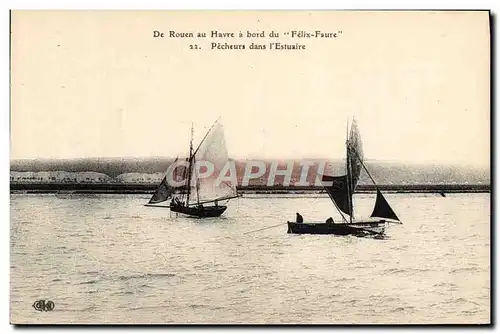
(216, 204)
(299, 218)
(329, 220)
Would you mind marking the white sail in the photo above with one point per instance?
(193, 191)
(212, 152)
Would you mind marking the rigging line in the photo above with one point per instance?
(184, 178)
(213, 200)
(175, 160)
(376, 186)
(190, 162)
(157, 206)
(228, 184)
(364, 167)
(265, 228)
(197, 184)
(350, 192)
(196, 151)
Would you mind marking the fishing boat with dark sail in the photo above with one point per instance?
(199, 195)
(341, 189)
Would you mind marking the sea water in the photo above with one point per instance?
(109, 259)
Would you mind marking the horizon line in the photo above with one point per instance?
(240, 158)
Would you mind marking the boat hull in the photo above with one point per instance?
(203, 212)
(358, 229)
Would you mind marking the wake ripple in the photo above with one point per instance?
(125, 278)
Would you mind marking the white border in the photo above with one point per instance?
(179, 4)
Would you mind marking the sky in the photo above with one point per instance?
(97, 84)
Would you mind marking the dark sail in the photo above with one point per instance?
(382, 209)
(338, 192)
(162, 193)
(355, 152)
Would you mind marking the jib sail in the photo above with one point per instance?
(382, 208)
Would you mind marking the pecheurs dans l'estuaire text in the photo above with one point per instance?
(217, 41)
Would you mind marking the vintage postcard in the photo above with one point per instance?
(250, 167)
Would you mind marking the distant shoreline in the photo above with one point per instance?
(132, 188)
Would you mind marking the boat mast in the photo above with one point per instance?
(197, 188)
(189, 165)
(349, 176)
(191, 154)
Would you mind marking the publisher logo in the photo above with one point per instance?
(43, 305)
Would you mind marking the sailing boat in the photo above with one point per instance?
(200, 197)
(341, 189)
